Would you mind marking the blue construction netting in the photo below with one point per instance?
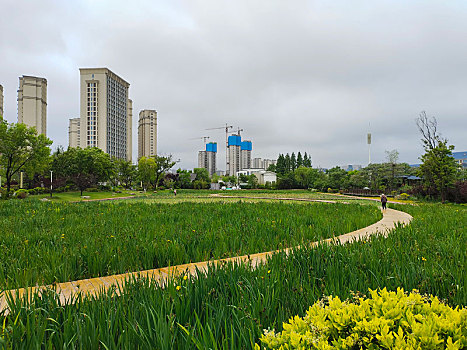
(246, 146)
(211, 147)
(235, 140)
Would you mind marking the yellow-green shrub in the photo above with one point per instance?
(391, 320)
(404, 196)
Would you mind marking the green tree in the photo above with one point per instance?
(338, 178)
(86, 167)
(200, 184)
(59, 165)
(243, 178)
(215, 178)
(253, 181)
(299, 160)
(439, 168)
(307, 161)
(162, 165)
(293, 162)
(392, 158)
(305, 177)
(357, 179)
(230, 179)
(151, 169)
(146, 171)
(272, 167)
(286, 181)
(184, 179)
(21, 147)
(125, 172)
(288, 164)
(202, 174)
(322, 181)
(281, 167)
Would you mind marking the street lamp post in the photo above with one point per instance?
(51, 179)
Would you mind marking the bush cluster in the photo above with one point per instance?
(38, 190)
(389, 320)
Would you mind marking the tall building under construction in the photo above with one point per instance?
(207, 158)
(239, 153)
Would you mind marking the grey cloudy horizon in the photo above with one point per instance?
(309, 76)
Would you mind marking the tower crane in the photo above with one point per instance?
(204, 138)
(226, 127)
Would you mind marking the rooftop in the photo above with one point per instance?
(459, 155)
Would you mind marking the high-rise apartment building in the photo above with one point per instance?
(202, 160)
(239, 154)
(1, 102)
(268, 162)
(207, 158)
(105, 112)
(32, 103)
(245, 154)
(147, 133)
(74, 133)
(258, 163)
(129, 123)
(234, 146)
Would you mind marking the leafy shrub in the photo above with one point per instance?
(458, 193)
(405, 188)
(92, 189)
(21, 194)
(38, 190)
(390, 320)
(404, 196)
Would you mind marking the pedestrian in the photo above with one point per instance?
(175, 192)
(384, 200)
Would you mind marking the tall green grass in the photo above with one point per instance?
(231, 305)
(42, 243)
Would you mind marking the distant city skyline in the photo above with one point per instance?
(306, 76)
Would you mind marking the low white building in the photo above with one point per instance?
(262, 175)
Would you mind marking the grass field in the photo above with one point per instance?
(43, 243)
(76, 196)
(230, 307)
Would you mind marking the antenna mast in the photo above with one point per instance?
(369, 145)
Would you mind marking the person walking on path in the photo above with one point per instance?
(384, 200)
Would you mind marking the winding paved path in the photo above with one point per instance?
(93, 286)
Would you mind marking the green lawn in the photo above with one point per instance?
(76, 196)
(229, 307)
(46, 242)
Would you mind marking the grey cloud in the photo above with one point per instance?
(304, 75)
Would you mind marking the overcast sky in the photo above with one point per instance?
(311, 76)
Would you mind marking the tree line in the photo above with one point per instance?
(22, 150)
(438, 176)
(288, 163)
(27, 155)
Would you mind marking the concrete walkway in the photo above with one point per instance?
(93, 286)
